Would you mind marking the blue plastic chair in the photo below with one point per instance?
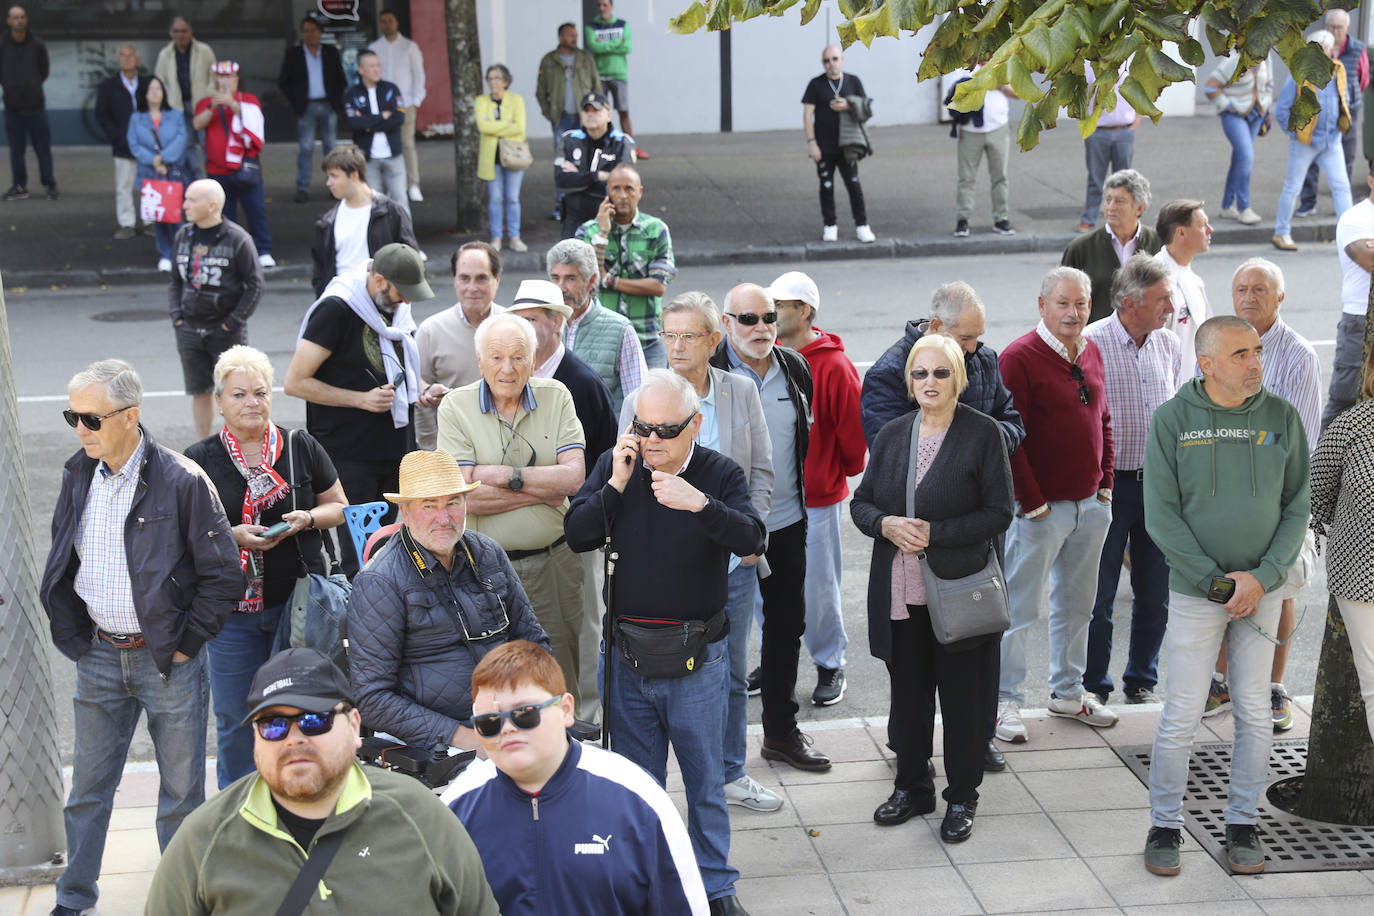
(362, 520)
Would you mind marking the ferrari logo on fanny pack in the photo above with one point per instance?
(691, 663)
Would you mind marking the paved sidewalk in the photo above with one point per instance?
(726, 197)
(1061, 830)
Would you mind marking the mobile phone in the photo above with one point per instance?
(276, 530)
(1223, 587)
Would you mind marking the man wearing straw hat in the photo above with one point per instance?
(432, 602)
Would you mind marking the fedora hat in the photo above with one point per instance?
(540, 294)
(426, 475)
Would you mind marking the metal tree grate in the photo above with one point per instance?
(1291, 843)
(132, 315)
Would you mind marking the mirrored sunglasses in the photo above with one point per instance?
(311, 724)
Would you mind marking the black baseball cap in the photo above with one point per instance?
(402, 265)
(596, 100)
(302, 678)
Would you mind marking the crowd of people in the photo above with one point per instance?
(599, 489)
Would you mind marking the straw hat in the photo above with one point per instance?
(426, 475)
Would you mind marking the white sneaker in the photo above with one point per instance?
(865, 234)
(164, 265)
(1086, 709)
(266, 260)
(1009, 725)
(830, 234)
(746, 792)
(415, 194)
(1249, 217)
(1228, 213)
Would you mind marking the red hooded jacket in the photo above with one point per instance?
(838, 449)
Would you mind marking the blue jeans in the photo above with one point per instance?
(112, 687)
(236, 654)
(503, 203)
(319, 118)
(1105, 150)
(648, 713)
(1240, 131)
(389, 177)
(1331, 160)
(1196, 628)
(1064, 549)
(23, 130)
(245, 186)
(825, 637)
(1149, 584)
(743, 584)
(1308, 197)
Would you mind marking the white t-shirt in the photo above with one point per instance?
(381, 147)
(1355, 224)
(350, 236)
(1190, 310)
(995, 109)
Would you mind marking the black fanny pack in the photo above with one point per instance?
(665, 648)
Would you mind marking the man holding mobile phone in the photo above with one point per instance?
(1227, 499)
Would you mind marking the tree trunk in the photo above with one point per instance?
(1339, 784)
(465, 74)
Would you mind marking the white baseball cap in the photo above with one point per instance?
(796, 285)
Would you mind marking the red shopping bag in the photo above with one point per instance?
(160, 201)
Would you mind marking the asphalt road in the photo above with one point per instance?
(55, 333)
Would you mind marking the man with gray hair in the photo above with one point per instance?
(1101, 252)
(673, 512)
(520, 436)
(603, 339)
(1062, 476)
(142, 571)
(1142, 365)
(116, 100)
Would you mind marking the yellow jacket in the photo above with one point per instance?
(1342, 121)
(511, 126)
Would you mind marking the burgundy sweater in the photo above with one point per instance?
(1067, 452)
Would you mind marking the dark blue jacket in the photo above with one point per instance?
(113, 109)
(359, 118)
(601, 837)
(885, 398)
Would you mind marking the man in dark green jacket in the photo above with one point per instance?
(1101, 252)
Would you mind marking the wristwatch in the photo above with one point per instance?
(517, 480)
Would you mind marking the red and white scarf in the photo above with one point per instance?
(264, 487)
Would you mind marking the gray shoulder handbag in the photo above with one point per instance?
(974, 605)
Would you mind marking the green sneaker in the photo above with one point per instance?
(1282, 707)
(1218, 697)
(1244, 851)
(1161, 851)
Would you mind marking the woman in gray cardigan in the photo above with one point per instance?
(963, 500)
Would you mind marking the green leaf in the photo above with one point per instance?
(1028, 131)
(719, 16)
(1146, 76)
(851, 8)
(967, 98)
(1063, 44)
(992, 16)
(1191, 51)
(1143, 103)
(1107, 17)
(1263, 33)
(1311, 65)
(1019, 75)
(871, 25)
(1169, 70)
(1220, 42)
(689, 20)
(810, 10)
(1220, 19)
(1039, 43)
(1047, 109)
(846, 33)
(1071, 87)
(1305, 108)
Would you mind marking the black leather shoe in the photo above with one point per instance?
(727, 906)
(958, 823)
(930, 767)
(993, 761)
(901, 806)
(795, 749)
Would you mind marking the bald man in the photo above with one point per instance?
(116, 100)
(216, 284)
(824, 103)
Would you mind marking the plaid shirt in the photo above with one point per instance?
(1138, 381)
(102, 579)
(1293, 372)
(641, 250)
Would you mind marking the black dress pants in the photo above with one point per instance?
(784, 621)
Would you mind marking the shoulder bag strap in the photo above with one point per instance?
(316, 864)
(303, 569)
(911, 467)
(446, 596)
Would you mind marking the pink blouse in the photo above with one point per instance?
(908, 585)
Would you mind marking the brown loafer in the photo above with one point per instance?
(795, 750)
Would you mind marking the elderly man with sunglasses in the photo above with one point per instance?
(671, 512)
(269, 837)
(1062, 477)
(433, 601)
(143, 571)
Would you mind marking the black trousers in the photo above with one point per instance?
(577, 209)
(364, 482)
(967, 685)
(849, 171)
(784, 622)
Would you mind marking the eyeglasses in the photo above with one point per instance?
(941, 373)
(1076, 374)
(664, 430)
(488, 724)
(749, 319)
(90, 420)
(311, 724)
(671, 337)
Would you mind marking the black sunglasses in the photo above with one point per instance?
(488, 724)
(749, 319)
(664, 430)
(312, 724)
(940, 373)
(89, 420)
(1076, 374)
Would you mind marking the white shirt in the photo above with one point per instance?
(350, 236)
(995, 108)
(131, 87)
(402, 64)
(1190, 310)
(381, 146)
(1125, 249)
(1355, 224)
(550, 365)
